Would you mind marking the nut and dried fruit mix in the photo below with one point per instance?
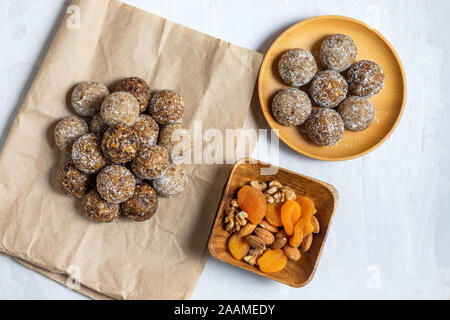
(269, 224)
(117, 165)
(340, 92)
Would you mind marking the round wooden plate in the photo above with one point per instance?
(388, 104)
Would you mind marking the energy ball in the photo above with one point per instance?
(115, 184)
(67, 131)
(291, 107)
(97, 125)
(297, 67)
(175, 138)
(142, 205)
(328, 89)
(150, 162)
(365, 78)
(72, 181)
(97, 209)
(120, 108)
(87, 153)
(166, 106)
(138, 88)
(87, 97)
(172, 181)
(120, 144)
(357, 113)
(338, 52)
(147, 130)
(325, 127)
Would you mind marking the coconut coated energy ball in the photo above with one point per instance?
(172, 181)
(97, 125)
(120, 108)
(175, 138)
(142, 205)
(166, 106)
(115, 184)
(357, 113)
(150, 162)
(291, 107)
(325, 127)
(87, 97)
(72, 181)
(120, 144)
(87, 153)
(147, 130)
(328, 89)
(138, 88)
(67, 131)
(338, 52)
(297, 67)
(97, 209)
(365, 78)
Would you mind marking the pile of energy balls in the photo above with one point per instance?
(132, 151)
(344, 85)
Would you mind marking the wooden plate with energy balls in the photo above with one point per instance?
(273, 225)
(333, 87)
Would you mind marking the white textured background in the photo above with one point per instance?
(390, 237)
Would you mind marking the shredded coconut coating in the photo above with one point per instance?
(172, 181)
(138, 88)
(297, 67)
(150, 162)
(97, 209)
(291, 107)
(328, 89)
(120, 144)
(72, 181)
(365, 78)
(115, 184)
(87, 153)
(338, 52)
(147, 130)
(97, 125)
(166, 106)
(142, 205)
(325, 127)
(120, 108)
(67, 131)
(87, 97)
(357, 113)
(176, 139)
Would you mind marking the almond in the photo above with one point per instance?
(266, 225)
(307, 241)
(292, 253)
(247, 229)
(281, 234)
(255, 242)
(279, 243)
(265, 235)
(316, 225)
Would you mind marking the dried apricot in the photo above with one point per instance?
(272, 261)
(238, 247)
(252, 201)
(273, 215)
(308, 210)
(290, 214)
(297, 238)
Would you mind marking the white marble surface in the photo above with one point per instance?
(390, 236)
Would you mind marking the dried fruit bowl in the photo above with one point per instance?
(295, 274)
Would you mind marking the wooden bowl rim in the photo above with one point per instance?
(328, 186)
(299, 149)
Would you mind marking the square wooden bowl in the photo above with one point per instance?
(295, 274)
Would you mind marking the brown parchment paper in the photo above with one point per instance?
(161, 258)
